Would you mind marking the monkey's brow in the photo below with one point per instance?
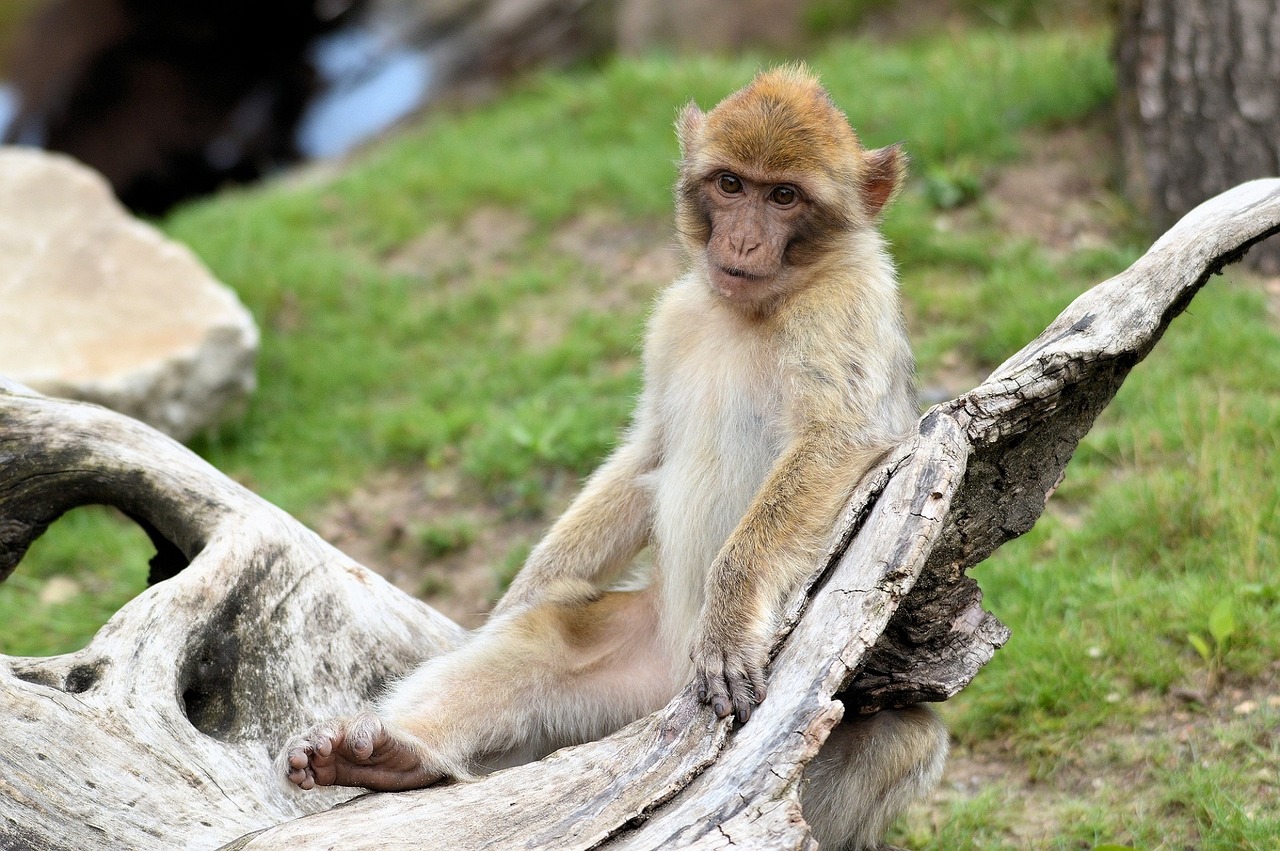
(757, 176)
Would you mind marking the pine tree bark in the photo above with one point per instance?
(1199, 103)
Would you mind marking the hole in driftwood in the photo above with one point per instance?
(208, 675)
(81, 678)
(168, 561)
(72, 579)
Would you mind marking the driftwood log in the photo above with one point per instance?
(162, 733)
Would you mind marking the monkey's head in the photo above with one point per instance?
(772, 181)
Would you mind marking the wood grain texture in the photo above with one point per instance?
(162, 733)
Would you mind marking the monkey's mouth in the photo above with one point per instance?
(737, 284)
(741, 273)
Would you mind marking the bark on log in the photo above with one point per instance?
(162, 732)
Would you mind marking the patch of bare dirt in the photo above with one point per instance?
(488, 241)
(615, 265)
(895, 22)
(1058, 193)
(637, 257)
(952, 375)
(431, 537)
(1271, 286)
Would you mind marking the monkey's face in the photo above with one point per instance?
(773, 182)
(751, 225)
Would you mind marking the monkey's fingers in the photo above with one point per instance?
(731, 688)
(755, 673)
(712, 687)
(298, 767)
(746, 688)
(741, 695)
(720, 698)
(303, 778)
(362, 735)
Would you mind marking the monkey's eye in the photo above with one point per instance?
(730, 184)
(783, 196)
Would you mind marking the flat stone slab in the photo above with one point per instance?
(99, 306)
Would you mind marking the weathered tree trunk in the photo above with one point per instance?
(161, 733)
(1199, 102)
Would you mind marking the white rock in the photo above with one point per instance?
(99, 306)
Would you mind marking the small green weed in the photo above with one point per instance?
(955, 185)
(440, 539)
(1222, 625)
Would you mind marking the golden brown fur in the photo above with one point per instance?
(777, 370)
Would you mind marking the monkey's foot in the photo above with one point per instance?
(357, 751)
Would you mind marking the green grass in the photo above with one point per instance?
(1212, 789)
(514, 373)
(89, 563)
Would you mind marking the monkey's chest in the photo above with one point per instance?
(725, 429)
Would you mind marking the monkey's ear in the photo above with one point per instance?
(689, 127)
(886, 168)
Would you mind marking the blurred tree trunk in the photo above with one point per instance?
(1199, 103)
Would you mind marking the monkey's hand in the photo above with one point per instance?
(729, 672)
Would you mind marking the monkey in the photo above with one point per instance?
(777, 371)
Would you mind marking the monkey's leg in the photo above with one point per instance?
(869, 770)
(526, 684)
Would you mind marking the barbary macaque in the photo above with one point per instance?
(777, 371)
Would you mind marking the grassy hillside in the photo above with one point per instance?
(454, 316)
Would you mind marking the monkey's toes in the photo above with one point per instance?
(310, 757)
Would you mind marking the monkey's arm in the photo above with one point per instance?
(772, 549)
(598, 536)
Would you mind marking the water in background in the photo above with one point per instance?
(370, 83)
(8, 107)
